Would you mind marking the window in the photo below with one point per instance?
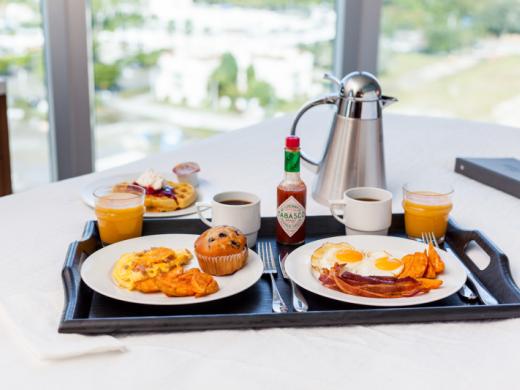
(22, 65)
(169, 73)
(452, 58)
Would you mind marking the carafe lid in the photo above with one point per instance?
(362, 86)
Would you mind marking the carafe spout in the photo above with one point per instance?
(387, 100)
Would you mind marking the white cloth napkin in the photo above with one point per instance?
(34, 319)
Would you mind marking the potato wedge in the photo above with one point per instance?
(429, 273)
(435, 259)
(415, 267)
(191, 282)
(146, 286)
(407, 262)
(430, 283)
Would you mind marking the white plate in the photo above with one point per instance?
(88, 191)
(96, 271)
(298, 267)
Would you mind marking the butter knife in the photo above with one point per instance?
(298, 300)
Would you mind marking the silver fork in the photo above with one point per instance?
(265, 251)
(465, 291)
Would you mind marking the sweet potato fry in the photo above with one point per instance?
(191, 282)
(414, 267)
(407, 262)
(430, 283)
(147, 286)
(430, 270)
(435, 259)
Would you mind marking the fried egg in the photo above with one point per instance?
(137, 266)
(377, 263)
(370, 263)
(342, 253)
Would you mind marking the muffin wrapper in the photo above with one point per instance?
(222, 265)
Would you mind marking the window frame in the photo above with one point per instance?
(66, 27)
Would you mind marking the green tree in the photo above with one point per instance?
(250, 74)
(106, 75)
(110, 15)
(224, 77)
(259, 89)
(500, 16)
(263, 91)
(143, 59)
(8, 63)
(446, 25)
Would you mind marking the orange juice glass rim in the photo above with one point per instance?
(137, 191)
(431, 190)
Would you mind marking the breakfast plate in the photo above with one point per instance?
(88, 191)
(96, 271)
(298, 267)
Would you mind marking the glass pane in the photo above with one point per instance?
(456, 58)
(22, 64)
(167, 73)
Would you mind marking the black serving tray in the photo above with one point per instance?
(88, 312)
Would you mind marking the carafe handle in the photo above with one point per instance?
(329, 99)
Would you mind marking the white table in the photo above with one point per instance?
(36, 227)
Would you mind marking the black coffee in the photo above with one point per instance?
(235, 202)
(367, 199)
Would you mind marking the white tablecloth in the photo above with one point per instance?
(37, 226)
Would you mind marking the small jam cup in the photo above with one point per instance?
(426, 209)
(119, 210)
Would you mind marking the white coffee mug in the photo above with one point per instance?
(366, 210)
(245, 217)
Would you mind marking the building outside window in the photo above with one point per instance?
(168, 74)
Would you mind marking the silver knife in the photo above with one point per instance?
(298, 300)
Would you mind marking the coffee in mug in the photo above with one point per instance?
(235, 202)
(366, 210)
(234, 208)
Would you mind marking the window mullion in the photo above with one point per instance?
(357, 36)
(67, 55)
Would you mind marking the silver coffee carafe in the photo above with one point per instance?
(354, 155)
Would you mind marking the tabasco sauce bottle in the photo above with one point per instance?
(292, 195)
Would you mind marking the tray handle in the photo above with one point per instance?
(496, 277)
(71, 277)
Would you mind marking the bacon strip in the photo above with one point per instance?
(359, 279)
(371, 286)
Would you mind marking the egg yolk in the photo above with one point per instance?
(348, 256)
(387, 264)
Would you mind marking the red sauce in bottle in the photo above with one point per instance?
(291, 198)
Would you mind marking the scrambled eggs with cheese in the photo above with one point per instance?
(134, 267)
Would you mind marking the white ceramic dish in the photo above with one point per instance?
(88, 191)
(298, 267)
(97, 269)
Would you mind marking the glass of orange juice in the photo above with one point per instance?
(119, 210)
(426, 209)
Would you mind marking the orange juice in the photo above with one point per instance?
(423, 218)
(120, 216)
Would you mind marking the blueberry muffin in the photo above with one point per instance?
(221, 250)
